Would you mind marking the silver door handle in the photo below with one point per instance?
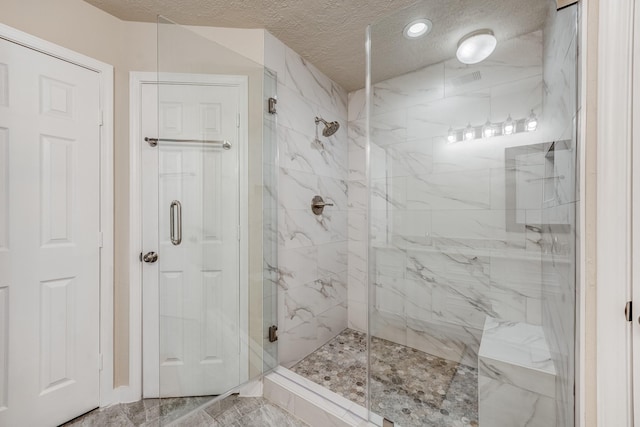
(175, 222)
(150, 257)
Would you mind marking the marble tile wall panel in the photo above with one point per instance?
(312, 265)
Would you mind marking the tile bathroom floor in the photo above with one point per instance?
(409, 387)
(232, 411)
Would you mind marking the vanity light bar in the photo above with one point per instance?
(489, 130)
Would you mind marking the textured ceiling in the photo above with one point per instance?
(331, 33)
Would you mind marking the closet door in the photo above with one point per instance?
(49, 238)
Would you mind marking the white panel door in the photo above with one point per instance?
(49, 241)
(191, 294)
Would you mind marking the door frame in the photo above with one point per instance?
(616, 213)
(105, 77)
(137, 79)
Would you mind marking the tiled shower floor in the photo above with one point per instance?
(409, 387)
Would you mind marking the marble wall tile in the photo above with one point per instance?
(311, 83)
(413, 88)
(312, 268)
(501, 404)
(357, 105)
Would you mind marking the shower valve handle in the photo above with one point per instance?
(318, 204)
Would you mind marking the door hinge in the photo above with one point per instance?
(628, 311)
(272, 105)
(100, 239)
(101, 118)
(238, 120)
(100, 362)
(238, 233)
(273, 333)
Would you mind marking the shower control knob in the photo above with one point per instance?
(150, 257)
(318, 204)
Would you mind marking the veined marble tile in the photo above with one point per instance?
(332, 258)
(357, 315)
(450, 342)
(297, 266)
(435, 118)
(298, 228)
(296, 189)
(388, 193)
(450, 190)
(388, 128)
(468, 308)
(389, 326)
(299, 152)
(517, 98)
(410, 158)
(411, 228)
(357, 103)
(332, 322)
(413, 88)
(520, 274)
(502, 404)
(303, 303)
(357, 225)
(389, 294)
(487, 225)
(333, 191)
(419, 299)
(506, 63)
(357, 163)
(297, 343)
(358, 196)
(312, 84)
(296, 112)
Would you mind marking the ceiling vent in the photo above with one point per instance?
(466, 79)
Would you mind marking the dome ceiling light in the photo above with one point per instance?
(476, 46)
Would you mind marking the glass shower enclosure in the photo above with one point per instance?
(472, 220)
(207, 295)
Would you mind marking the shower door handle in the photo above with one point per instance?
(175, 222)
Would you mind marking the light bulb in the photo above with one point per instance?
(469, 132)
(487, 130)
(531, 123)
(508, 127)
(452, 137)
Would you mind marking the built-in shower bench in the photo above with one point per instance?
(516, 376)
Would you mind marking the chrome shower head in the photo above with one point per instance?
(329, 127)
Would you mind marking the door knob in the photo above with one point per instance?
(150, 257)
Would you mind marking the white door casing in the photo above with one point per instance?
(192, 295)
(50, 239)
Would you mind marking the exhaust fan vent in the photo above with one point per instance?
(466, 79)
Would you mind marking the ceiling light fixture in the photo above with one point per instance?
(417, 28)
(531, 123)
(508, 127)
(476, 46)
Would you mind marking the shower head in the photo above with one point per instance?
(329, 128)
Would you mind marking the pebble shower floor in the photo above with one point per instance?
(410, 387)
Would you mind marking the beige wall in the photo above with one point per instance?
(128, 46)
